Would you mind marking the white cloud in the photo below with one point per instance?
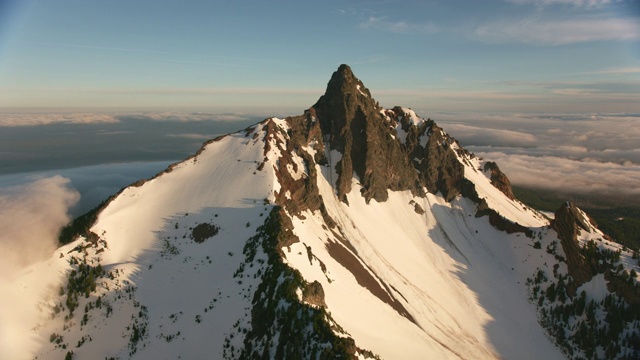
(577, 3)
(618, 71)
(619, 182)
(32, 119)
(30, 217)
(35, 119)
(193, 136)
(189, 117)
(399, 27)
(489, 136)
(559, 32)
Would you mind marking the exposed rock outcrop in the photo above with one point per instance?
(314, 294)
(499, 222)
(567, 223)
(625, 289)
(499, 179)
(440, 170)
(353, 124)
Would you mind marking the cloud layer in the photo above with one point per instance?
(586, 154)
(35, 119)
(30, 217)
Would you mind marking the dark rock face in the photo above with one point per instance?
(303, 192)
(440, 170)
(567, 222)
(499, 222)
(621, 287)
(499, 179)
(314, 294)
(354, 124)
(417, 208)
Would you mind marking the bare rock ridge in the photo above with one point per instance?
(567, 222)
(499, 179)
(352, 124)
(355, 125)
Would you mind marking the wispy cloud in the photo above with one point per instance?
(383, 23)
(33, 119)
(193, 136)
(617, 71)
(523, 96)
(459, 95)
(36, 119)
(204, 91)
(230, 60)
(189, 117)
(559, 32)
(624, 89)
(30, 217)
(576, 3)
(490, 136)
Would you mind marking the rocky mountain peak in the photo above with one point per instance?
(345, 100)
(384, 149)
(343, 81)
(352, 123)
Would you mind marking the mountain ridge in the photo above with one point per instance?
(370, 233)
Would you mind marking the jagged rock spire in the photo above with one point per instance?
(345, 100)
(567, 223)
(352, 123)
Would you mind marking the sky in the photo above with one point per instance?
(454, 55)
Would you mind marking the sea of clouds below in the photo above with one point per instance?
(594, 155)
(573, 154)
(55, 167)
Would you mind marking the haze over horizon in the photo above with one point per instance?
(493, 56)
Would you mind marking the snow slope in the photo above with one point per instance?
(182, 292)
(461, 279)
(165, 274)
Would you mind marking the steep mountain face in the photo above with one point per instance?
(351, 231)
(567, 222)
(355, 127)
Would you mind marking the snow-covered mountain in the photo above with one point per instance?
(350, 231)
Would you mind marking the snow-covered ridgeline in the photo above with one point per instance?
(189, 291)
(406, 278)
(426, 262)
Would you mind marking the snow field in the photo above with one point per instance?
(437, 266)
(184, 291)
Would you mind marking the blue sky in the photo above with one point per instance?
(443, 56)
